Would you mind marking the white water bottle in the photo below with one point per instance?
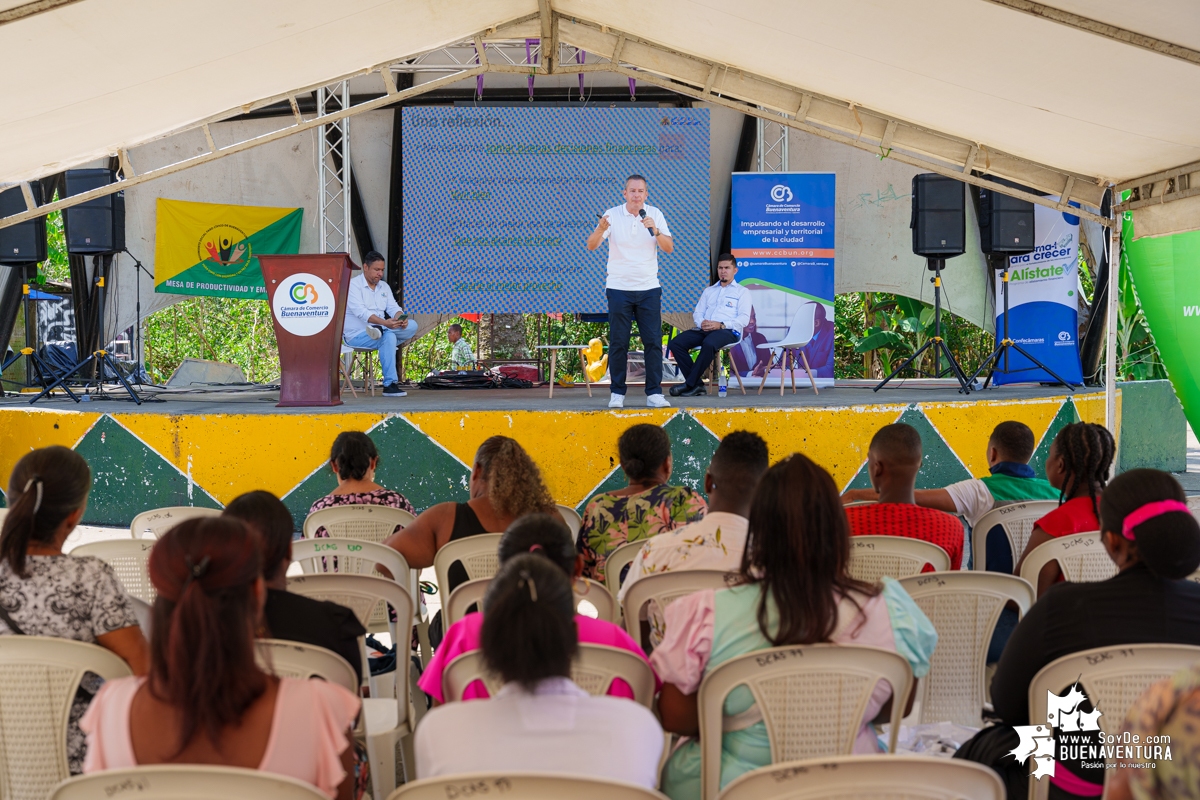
(721, 383)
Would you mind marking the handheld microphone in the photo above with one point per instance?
(642, 214)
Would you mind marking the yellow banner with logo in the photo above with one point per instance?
(212, 249)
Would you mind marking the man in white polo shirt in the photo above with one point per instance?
(635, 233)
(374, 321)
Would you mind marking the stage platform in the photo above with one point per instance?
(205, 449)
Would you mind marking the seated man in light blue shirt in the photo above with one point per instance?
(374, 321)
(720, 316)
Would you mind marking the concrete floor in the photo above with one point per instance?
(536, 399)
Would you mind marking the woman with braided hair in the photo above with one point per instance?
(540, 720)
(1078, 464)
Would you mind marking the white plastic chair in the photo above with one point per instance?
(522, 785)
(128, 558)
(38, 679)
(1111, 677)
(356, 557)
(480, 557)
(185, 782)
(964, 608)
(1193, 504)
(662, 589)
(868, 778)
(154, 523)
(572, 518)
(593, 671)
(365, 522)
(812, 699)
(1081, 558)
(799, 333)
(388, 720)
(1016, 519)
(875, 557)
(472, 592)
(288, 659)
(616, 562)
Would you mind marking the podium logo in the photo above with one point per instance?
(303, 304)
(304, 293)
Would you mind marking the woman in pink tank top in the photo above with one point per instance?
(205, 700)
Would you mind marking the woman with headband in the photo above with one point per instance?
(46, 593)
(206, 699)
(540, 721)
(1155, 542)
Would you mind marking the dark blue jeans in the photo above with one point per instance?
(623, 308)
(709, 343)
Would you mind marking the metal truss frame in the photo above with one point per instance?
(334, 183)
(502, 49)
(772, 145)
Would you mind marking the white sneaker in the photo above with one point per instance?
(656, 401)
(374, 332)
(616, 401)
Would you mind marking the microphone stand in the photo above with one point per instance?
(139, 367)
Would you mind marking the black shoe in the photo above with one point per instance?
(678, 389)
(694, 391)
(394, 390)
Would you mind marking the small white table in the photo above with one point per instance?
(554, 348)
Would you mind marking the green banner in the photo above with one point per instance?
(1166, 276)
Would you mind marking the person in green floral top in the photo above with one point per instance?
(646, 507)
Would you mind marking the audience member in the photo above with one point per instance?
(461, 354)
(544, 535)
(1170, 711)
(794, 590)
(718, 540)
(46, 593)
(354, 460)
(505, 484)
(206, 700)
(1155, 543)
(292, 616)
(893, 461)
(1012, 480)
(540, 720)
(646, 507)
(1077, 465)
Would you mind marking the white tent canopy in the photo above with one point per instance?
(1091, 92)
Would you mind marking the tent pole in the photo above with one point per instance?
(1110, 358)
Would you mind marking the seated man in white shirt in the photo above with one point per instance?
(720, 316)
(374, 321)
(718, 540)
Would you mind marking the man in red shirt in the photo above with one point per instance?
(893, 461)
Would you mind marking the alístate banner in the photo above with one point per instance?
(1043, 303)
(783, 238)
(1166, 275)
(212, 249)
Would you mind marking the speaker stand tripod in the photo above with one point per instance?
(935, 342)
(99, 359)
(1006, 344)
(41, 368)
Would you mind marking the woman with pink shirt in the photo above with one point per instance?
(206, 701)
(547, 536)
(793, 590)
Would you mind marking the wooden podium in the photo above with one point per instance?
(307, 294)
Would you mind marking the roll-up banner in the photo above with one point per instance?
(783, 238)
(1043, 303)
